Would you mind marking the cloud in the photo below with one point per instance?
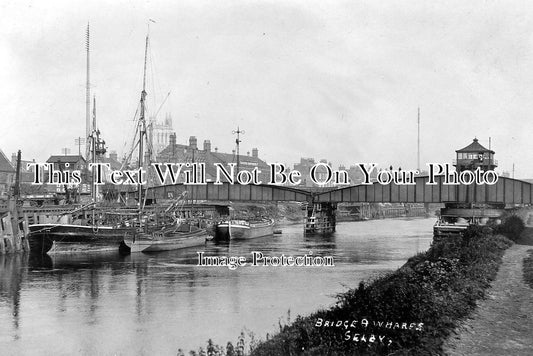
(337, 80)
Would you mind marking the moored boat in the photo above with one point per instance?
(233, 229)
(88, 228)
(175, 238)
(450, 225)
(65, 238)
(455, 218)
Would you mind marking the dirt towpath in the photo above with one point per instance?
(502, 323)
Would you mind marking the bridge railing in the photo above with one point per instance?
(230, 192)
(505, 190)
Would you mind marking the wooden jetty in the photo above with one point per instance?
(13, 231)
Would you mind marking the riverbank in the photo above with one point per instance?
(408, 311)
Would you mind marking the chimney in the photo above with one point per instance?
(193, 142)
(168, 120)
(14, 159)
(216, 149)
(207, 145)
(255, 153)
(173, 139)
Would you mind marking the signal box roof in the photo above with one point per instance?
(475, 146)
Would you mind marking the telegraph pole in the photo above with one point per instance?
(238, 141)
(79, 141)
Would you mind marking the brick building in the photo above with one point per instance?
(7, 175)
(191, 153)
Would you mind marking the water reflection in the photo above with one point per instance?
(155, 304)
(10, 287)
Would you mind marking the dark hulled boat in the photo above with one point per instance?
(61, 238)
(243, 229)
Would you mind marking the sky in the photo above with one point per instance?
(339, 80)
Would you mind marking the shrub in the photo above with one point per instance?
(512, 226)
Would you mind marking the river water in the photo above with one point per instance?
(104, 304)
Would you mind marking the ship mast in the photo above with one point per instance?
(94, 138)
(87, 101)
(97, 150)
(142, 121)
(95, 146)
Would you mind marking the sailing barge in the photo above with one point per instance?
(87, 229)
(99, 230)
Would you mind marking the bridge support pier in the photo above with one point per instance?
(320, 218)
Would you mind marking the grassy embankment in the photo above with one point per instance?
(408, 311)
(527, 239)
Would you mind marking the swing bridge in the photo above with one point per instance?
(509, 191)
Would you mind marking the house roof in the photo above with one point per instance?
(5, 165)
(475, 146)
(183, 153)
(65, 159)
